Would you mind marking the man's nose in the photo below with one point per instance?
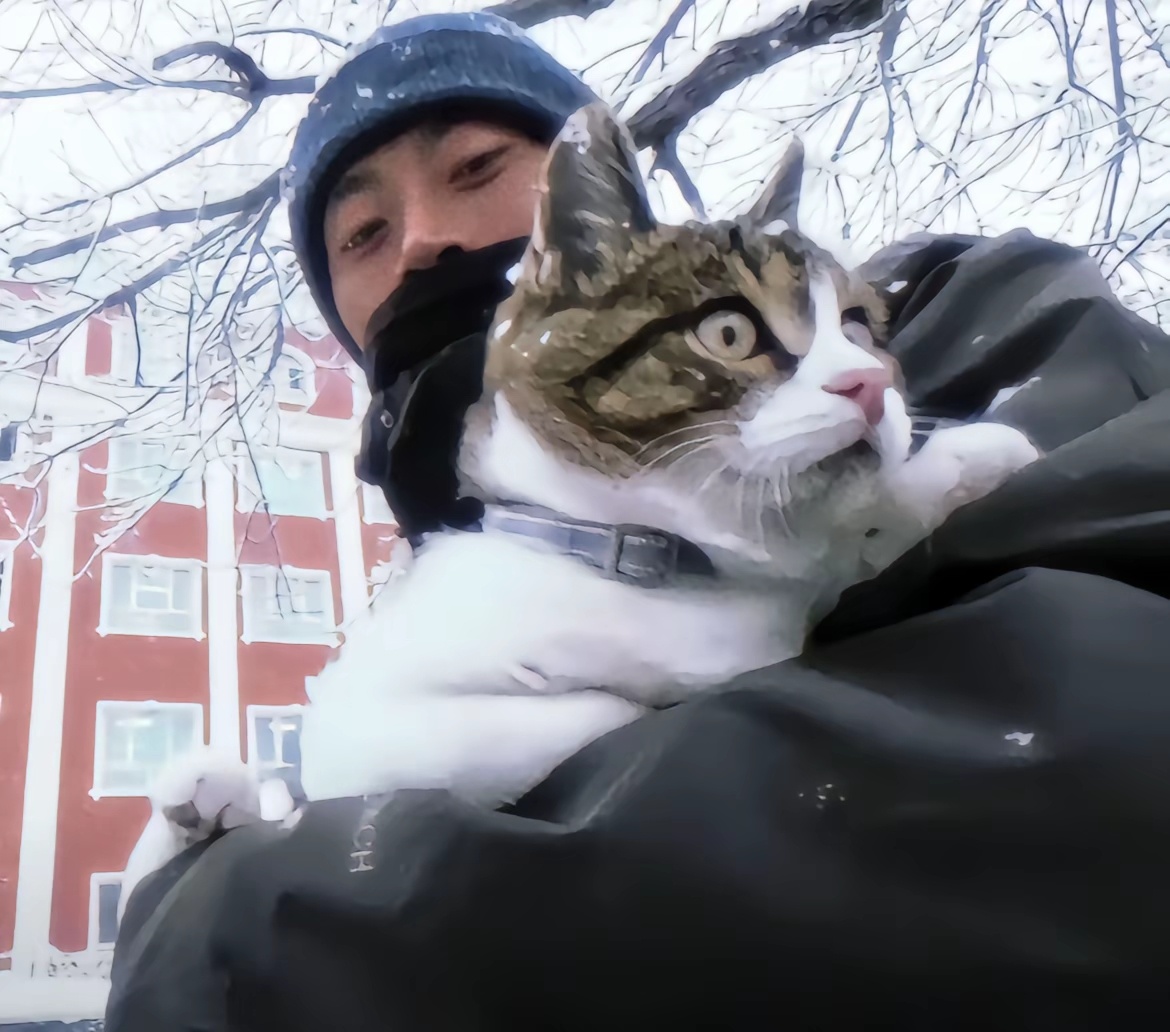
(428, 233)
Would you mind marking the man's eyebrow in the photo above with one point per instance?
(356, 181)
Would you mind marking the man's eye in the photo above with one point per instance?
(365, 234)
(480, 164)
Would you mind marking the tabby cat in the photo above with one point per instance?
(723, 383)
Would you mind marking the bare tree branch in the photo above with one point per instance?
(251, 82)
(657, 45)
(247, 203)
(733, 61)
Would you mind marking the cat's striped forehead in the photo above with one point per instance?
(614, 355)
(668, 272)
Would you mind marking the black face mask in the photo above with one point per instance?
(424, 357)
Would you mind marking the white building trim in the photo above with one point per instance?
(105, 708)
(351, 563)
(42, 784)
(274, 577)
(222, 609)
(375, 508)
(108, 617)
(304, 432)
(71, 355)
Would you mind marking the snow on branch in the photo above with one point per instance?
(731, 62)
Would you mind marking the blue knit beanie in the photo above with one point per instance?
(401, 75)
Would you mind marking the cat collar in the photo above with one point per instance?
(632, 554)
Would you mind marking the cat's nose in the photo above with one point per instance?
(865, 387)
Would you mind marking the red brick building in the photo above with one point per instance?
(170, 583)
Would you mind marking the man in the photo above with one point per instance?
(954, 808)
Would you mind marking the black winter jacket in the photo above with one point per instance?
(953, 810)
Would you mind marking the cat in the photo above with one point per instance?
(718, 388)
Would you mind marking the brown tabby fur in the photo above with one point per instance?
(551, 340)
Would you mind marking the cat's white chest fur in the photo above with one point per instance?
(489, 662)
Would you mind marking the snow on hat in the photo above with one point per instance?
(400, 75)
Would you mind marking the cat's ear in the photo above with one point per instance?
(592, 196)
(780, 199)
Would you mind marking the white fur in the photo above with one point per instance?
(224, 793)
(479, 672)
(489, 662)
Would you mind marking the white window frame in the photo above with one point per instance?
(104, 706)
(188, 491)
(107, 623)
(124, 354)
(375, 508)
(96, 881)
(251, 633)
(248, 479)
(255, 713)
(286, 394)
(7, 569)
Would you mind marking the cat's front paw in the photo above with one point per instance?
(203, 792)
(198, 795)
(959, 465)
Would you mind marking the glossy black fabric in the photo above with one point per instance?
(953, 811)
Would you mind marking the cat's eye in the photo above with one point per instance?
(729, 335)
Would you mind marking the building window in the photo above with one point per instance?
(105, 891)
(6, 569)
(294, 377)
(136, 740)
(288, 605)
(375, 508)
(9, 437)
(16, 448)
(143, 358)
(151, 595)
(287, 482)
(141, 469)
(274, 742)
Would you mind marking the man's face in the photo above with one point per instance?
(469, 186)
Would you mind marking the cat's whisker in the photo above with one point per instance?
(695, 446)
(782, 496)
(718, 472)
(707, 425)
(760, 513)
